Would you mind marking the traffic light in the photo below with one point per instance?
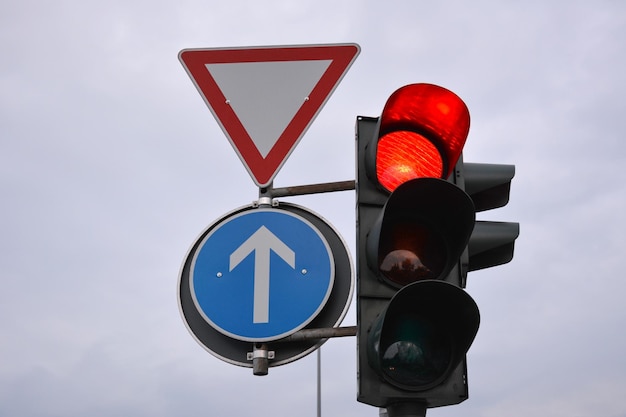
(488, 185)
(417, 238)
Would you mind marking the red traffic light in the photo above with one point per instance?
(422, 131)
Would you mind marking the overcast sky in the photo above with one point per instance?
(111, 165)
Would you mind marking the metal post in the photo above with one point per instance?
(319, 382)
(327, 187)
(260, 356)
(406, 409)
(316, 334)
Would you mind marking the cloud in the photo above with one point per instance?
(111, 165)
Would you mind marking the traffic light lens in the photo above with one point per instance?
(438, 114)
(411, 252)
(403, 155)
(415, 353)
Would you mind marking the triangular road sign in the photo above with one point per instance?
(265, 98)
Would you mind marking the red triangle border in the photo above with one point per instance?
(263, 170)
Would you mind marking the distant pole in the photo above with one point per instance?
(319, 382)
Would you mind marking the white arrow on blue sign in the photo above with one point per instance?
(262, 275)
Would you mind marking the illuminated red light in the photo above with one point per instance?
(422, 132)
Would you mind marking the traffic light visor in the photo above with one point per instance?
(423, 128)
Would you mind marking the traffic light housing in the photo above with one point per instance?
(488, 185)
(417, 239)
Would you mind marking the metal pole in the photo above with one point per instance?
(323, 333)
(260, 358)
(308, 189)
(319, 382)
(406, 409)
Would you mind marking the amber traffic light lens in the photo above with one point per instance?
(411, 252)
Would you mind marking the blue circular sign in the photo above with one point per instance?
(262, 274)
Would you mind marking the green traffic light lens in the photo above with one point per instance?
(415, 353)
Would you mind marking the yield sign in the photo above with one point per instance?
(265, 98)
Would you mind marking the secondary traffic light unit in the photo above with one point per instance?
(417, 238)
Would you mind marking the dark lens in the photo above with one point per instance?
(415, 352)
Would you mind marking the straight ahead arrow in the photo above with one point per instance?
(261, 243)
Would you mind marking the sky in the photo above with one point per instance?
(111, 166)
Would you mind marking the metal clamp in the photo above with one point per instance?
(260, 357)
(265, 201)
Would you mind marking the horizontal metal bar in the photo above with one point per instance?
(311, 189)
(315, 334)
